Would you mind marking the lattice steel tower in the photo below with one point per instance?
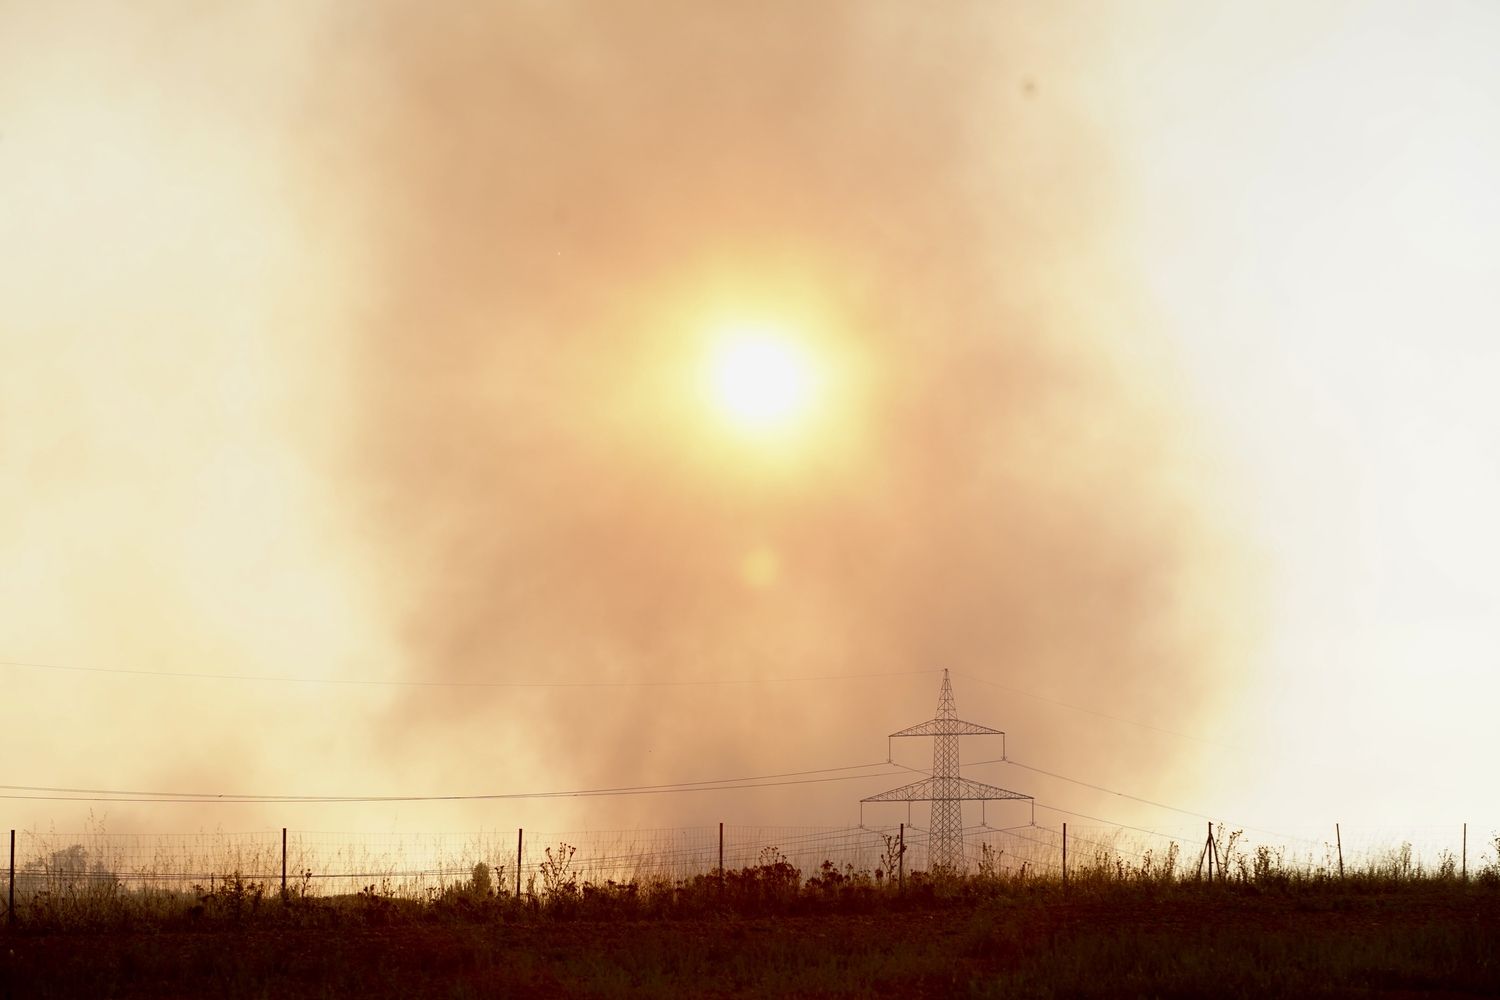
(947, 789)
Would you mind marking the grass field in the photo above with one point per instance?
(769, 932)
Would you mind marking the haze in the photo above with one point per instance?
(1141, 374)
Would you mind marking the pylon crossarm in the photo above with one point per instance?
(948, 727)
(978, 790)
(949, 789)
(917, 791)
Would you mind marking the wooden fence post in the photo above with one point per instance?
(721, 857)
(1065, 855)
(901, 858)
(1338, 838)
(519, 831)
(1466, 852)
(283, 864)
(10, 905)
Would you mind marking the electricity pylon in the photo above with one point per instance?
(947, 789)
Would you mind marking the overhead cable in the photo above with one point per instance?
(400, 683)
(56, 794)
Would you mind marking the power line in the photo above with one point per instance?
(381, 682)
(717, 784)
(1123, 795)
(652, 682)
(1110, 822)
(1101, 788)
(1101, 715)
(1149, 802)
(330, 798)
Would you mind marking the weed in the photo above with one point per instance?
(559, 879)
(891, 857)
(989, 862)
(233, 897)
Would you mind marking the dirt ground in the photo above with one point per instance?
(1376, 946)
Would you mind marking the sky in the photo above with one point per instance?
(453, 402)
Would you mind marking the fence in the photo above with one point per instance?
(419, 865)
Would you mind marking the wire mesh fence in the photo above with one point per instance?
(422, 865)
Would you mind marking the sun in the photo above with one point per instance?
(760, 379)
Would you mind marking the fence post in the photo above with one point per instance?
(283, 864)
(10, 904)
(1339, 839)
(1466, 852)
(1065, 855)
(518, 862)
(901, 858)
(721, 857)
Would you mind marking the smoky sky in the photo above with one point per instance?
(354, 341)
(540, 193)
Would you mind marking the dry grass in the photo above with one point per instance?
(1125, 923)
(107, 883)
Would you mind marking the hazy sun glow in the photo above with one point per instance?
(760, 380)
(760, 567)
(1139, 356)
